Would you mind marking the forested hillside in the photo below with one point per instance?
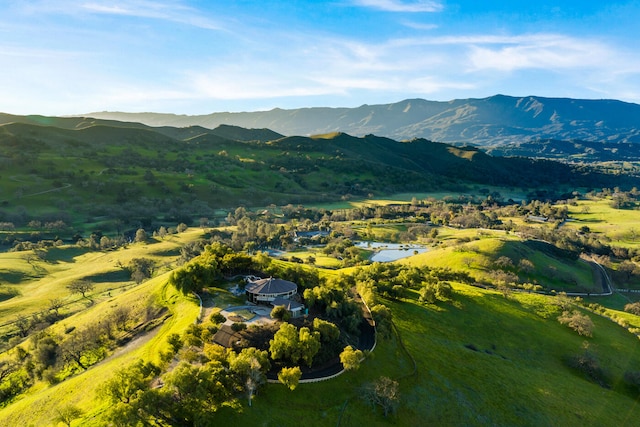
(123, 175)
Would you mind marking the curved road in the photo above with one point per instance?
(366, 342)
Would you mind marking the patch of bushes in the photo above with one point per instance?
(581, 323)
(238, 326)
(587, 363)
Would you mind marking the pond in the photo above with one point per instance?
(387, 252)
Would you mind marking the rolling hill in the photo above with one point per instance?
(135, 174)
(496, 120)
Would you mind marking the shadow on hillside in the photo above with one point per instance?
(12, 276)
(55, 255)
(110, 276)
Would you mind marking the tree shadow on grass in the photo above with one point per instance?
(110, 276)
(55, 255)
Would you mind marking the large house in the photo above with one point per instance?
(266, 290)
(274, 292)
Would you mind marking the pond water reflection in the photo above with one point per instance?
(387, 252)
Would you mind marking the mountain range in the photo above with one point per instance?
(488, 122)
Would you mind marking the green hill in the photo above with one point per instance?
(497, 258)
(480, 359)
(53, 169)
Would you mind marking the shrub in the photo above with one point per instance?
(238, 326)
(217, 318)
(581, 323)
(588, 364)
(633, 308)
(281, 313)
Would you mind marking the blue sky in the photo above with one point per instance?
(61, 57)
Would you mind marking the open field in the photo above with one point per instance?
(622, 226)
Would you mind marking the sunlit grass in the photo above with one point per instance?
(622, 226)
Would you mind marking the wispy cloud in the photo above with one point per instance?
(549, 52)
(170, 11)
(402, 6)
(420, 26)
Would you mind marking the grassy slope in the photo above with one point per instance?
(621, 225)
(39, 407)
(46, 280)
(552, 272)
(517, 377)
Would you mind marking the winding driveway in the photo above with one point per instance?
(333, 368)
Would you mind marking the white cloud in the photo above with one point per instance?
(540, 52)
(171, 11)
(402, 6)
(420, 26)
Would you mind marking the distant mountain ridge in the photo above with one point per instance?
(492, 121)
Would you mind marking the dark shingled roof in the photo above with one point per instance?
(225, 336)
(270, 286)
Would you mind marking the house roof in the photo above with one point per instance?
(270, 286)
(288, 304)
(225, 336)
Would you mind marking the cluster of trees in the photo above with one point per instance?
(292, 345)
(392, 280)
(45, 223)
(53, 357)
(191, 393)
(314, 344)
(334, 300)
(216, 261)
(579, 322)
(219, 260)
(624, 199)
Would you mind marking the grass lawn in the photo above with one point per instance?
(621, 225)
(244, 314)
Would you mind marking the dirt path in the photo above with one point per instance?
(132, 345)
(64, 186)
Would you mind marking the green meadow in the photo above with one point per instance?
(622, 226)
